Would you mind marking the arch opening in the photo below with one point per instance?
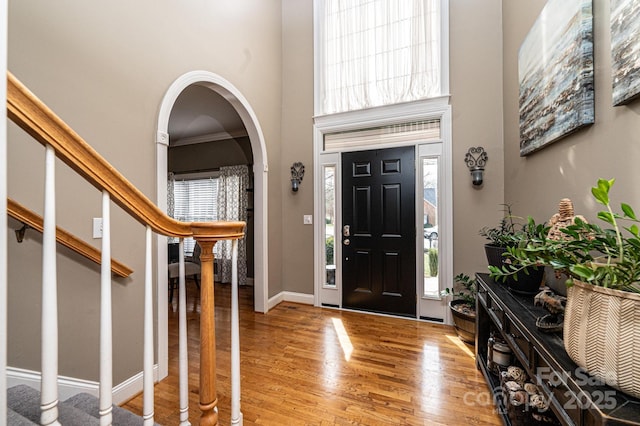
(249, 119)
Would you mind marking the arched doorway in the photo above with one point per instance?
(225, 89)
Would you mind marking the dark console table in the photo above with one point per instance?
(576, 398)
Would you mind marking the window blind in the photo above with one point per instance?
(385, 135)
(196, 200)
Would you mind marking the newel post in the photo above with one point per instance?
(208, 398)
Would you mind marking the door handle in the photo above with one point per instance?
(346, 242)
(346, 231)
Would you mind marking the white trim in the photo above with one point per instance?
(210, 137)
(290, 296)
(276, 300)
(69, 386)
(261, 230)
(132, 386)
(197, 175)
(421, 110)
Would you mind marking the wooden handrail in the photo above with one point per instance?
(33, 220)
(35, 118)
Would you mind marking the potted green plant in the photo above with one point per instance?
(463, 306)
(602, 325)
(510, 233)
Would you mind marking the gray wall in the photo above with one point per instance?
(609, 148)
(104, 68)
(476, 99)
(297, 144)
(208, 156)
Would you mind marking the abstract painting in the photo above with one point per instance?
(555, 72)
(625, 50)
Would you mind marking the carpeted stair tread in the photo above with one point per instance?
(15, 419)
(26, 401)
(90, 404)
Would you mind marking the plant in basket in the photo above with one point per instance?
(601, 327)
(463, 306)
(511, 233)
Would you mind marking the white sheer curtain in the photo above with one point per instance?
(232, 205)
(378, 52)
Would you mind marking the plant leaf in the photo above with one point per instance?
(607, 217)
(628, 211)
(600, 195)
(601, 192)
(583, 272)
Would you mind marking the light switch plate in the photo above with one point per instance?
(97, 227)
(308, 219)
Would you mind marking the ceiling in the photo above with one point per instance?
(201, 115)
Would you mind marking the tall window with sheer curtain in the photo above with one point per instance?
(377, 52)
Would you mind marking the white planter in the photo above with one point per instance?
(602, 334)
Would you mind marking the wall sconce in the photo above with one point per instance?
(297, 173)
(476, 159)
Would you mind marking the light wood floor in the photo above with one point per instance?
(302, 365)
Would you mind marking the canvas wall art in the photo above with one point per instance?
(625, 50)
(555, 72)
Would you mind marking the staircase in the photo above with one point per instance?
(28, 406)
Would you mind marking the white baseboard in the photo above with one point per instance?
(290, 296)
(131, 387)
(68, 386)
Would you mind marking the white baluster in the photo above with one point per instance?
(49, 384)
(236, 414)
(148, 410)
(182, 336)
(106, 324)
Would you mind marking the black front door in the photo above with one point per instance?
(378, 236)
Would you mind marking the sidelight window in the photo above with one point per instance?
(430, 226)
(330, 224)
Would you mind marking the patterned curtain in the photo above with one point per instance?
(232, 205)
(171, 202)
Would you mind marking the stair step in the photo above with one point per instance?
(16, 419)
(90, 404)
(79, 410)
(25, 401)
